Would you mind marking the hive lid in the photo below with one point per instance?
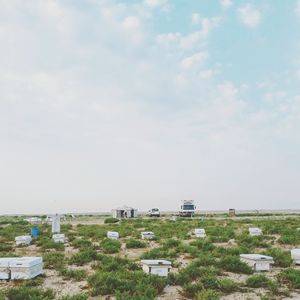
(147, 232)
(156, 262)
(5, 261)
(257, 257)
(23, 237)
(26, 261)
(58, 236)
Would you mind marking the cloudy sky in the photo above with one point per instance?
(147, 102)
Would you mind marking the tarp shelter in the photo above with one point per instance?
(124, 212)
(257, 261)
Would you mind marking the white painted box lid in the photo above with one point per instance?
(5, 261)
(58, 236)
(199, 230)
(26, 262)
(156, 262)
(147, 233)
(23, 238)
(257, 257)
(254, 229)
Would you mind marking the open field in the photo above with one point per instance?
(89, 266)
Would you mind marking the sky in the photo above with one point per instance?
(143, 103)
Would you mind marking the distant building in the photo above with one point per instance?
(231, 212)
(124, 212)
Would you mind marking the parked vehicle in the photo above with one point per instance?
(187, 208)
(154, 212)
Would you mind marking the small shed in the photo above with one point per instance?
(23, 240)
(200, 232)
(4, 267)
(124, 212)
(254, 231)
(58, 238)
(156, 267)
(257, 261)
(26, 267)
(295, 254)
(231, 212)
(147, 235)
(113, 235)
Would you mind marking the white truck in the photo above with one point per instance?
(154, 212)
(187, 208)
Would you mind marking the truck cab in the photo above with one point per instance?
(154, 212)
(187, 208)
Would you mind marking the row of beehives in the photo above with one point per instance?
(27, 239)
(114, 235)
(14, 268)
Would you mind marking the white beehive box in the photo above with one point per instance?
(257, 261)
(200, 233)
(26, 267)
(295, 254)
(5, 267)
(156, 267)
(23, 240)
(113, 235)
(148, 235)
(254, 231)
(58, 238)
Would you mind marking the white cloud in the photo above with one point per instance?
(131, 23)
(197, 59)
(196, 18)
(249, 15)
(156, 3)
(226, 3)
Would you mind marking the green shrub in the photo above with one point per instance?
(190, 290)
(135, 244)
(291, 277)
(54, 260)
(47, 243)
(135, 284)
(208, 295)
(281, 258)
(77, 274)
(258, 281)
(81, 243)
(204, 245)
(111, 220)
(110, 246)
(75, 297)
(83, 257)
(228, 286)
(29, 293)
(235, 265)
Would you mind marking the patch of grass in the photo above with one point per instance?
(111, 220)
(75, 297)
(291, 277)
(29, 293)
(134, 244)
(235, 265)
(208, 295)
(83, 257)
(281, 258)
(54, 260)
(110, 246)
(76, 274)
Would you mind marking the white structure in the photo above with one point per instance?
(147, 235)
(56, 224)
(154, 212)
(34, 220)
(26, 267)
(20, 267)
(298, 229)
(187, 208)
(254, 231)
(124, 212)
(257, 261)
(58, 238)
(295, 253)
(173, 218)
(23, 240)
(4, 267)
(200, 233)
(113, 235)
(156, 267)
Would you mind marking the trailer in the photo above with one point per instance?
(187, 208)
(154, 212)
